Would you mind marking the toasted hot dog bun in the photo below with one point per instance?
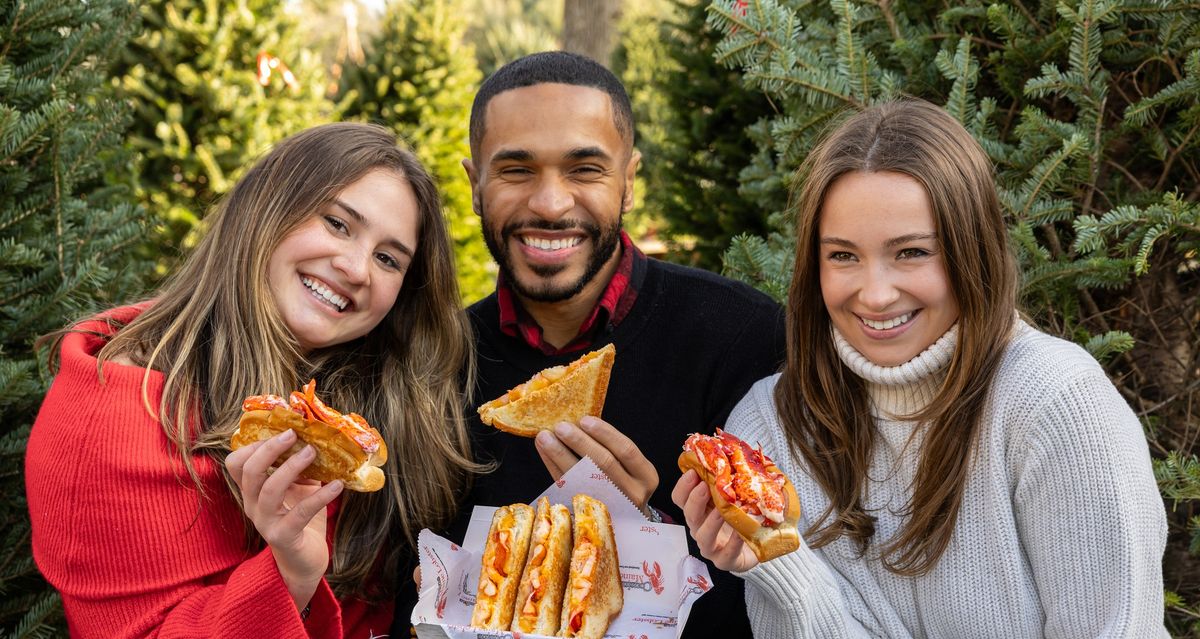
(338, 455)
(594, 595)
(557, 394)
(500, 570)
(766, 538)
(544, 580)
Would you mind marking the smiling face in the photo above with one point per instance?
(551, 180)
(337, 275)
(883, 278)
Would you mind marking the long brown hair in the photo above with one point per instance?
(214, 331)
(822, 405)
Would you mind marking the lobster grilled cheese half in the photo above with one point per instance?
(503, 557)
(594, 596)
(540, 592)
(557, 394)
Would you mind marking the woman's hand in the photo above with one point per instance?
(718, 541)
(288, 512)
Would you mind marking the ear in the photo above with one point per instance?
(473, 176)
(635, 158)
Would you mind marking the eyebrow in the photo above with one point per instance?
(895, 241)
(578, 153)
(392, 242)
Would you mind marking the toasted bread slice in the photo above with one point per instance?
(338, 456)
(594, 597)
(557, 394)
(503, 558)
(544, 580)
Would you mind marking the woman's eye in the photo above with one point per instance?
(388, 261)
(335, 223)
(910, 253)
(841, 256)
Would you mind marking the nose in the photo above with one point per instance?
(354, 265)
(552, 199)
(879, 290)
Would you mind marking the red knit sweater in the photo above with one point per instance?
(119, 528)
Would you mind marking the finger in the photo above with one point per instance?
(275, 488)
(417, 576)
(582, 445)
(254, 471)
(557, 457)
(236, 460)
(303, 512)
(624, 451)
(710, 526)
(697, 506)
(684, 487)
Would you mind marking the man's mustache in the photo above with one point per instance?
(592, 230)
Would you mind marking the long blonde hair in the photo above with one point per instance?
(822, 405)
(214, 331)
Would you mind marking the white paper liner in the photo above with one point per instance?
(661, 581)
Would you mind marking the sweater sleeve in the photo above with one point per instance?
(797, 595)
(1089, 514)
(755, 351)
(121, 532)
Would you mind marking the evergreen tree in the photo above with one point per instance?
(420, 78)
(65, 236)
(504, 30)
(1089, 111)
(697, 133)
(204, 110)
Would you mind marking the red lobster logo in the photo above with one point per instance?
(656, 578)
(699, 582)
(441, 601)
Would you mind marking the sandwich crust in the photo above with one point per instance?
(544, 580)
(556, 394)
(594, 596)
(500, 568)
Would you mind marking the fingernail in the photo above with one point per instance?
(336, 486)
(544, 438)
(287, 435)
(587, 421)
(308, 451)
(562, 429)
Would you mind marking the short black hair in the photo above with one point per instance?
(552, 67)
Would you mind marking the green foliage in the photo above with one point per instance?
(1089, 111)
(419, 78)
(692, 134)
(66, 236)
(503, 30)
(201, 115)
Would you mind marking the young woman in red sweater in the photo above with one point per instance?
(329, 260)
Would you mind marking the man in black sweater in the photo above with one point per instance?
(552, 168)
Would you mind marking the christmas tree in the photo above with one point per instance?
(214, 84)
(66, 236)
(419, 78)
(1089, 111)
(696, 133)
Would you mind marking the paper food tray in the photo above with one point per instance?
(661, 581)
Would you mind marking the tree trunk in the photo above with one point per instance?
(590, 28)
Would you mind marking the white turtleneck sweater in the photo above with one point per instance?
(1061, 530)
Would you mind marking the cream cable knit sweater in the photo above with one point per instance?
(1061, 531)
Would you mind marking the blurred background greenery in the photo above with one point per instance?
(121, 123)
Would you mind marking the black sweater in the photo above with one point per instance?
(689, 349)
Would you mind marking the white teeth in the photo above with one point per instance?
(886, 324)
(319, 291)
(550, 245)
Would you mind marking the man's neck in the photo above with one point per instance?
(560, 321)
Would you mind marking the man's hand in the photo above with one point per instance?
(613, 452)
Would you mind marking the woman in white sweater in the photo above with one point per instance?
(960, 473)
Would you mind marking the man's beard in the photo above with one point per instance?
(604, 243)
